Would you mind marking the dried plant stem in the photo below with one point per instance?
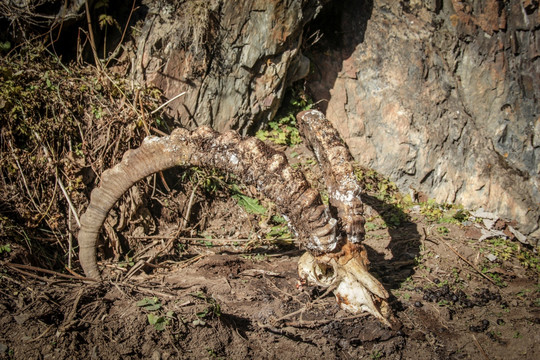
(188, 239)
(117, 49)
(167, 102)
(23, 177)
(468, 262)
(70, 240)
(480, 348)
(60, 183)
(190, 204)
(91, 36)
(305, 307)
(50, 272)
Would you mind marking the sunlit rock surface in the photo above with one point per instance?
(442, 96)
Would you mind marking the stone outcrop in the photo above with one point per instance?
(442, 96)
(233, 59)
(439, 95)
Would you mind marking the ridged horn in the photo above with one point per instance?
(336, 161)
(250, 160)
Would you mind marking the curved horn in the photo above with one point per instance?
(356, 289)
(252, 161)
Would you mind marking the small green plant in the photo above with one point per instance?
(256, 257)
(280, 229)
(105, 21)
(211, 353)
(155, 317)
(5, 46)
(529, 260)
(279, 232)
(251, 205)
(495, 276)
(443, 230)
(376, 355)
(210, 180)
(159, 322)
(508, 250)
(208, 243)
(369, 226)
(283, 130)
(523, 293)
(444, 302)
(149, 304)
(457, 279)
(432, 210)
(5, 248)
(212, 309)
(128, 262)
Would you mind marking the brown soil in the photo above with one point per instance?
(243, 300)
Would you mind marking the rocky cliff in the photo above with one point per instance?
(439, 95)
(442, 96)
(233, 59)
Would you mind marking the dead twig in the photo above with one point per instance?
(145, 290)
(190, 240)
(41, 335)
(70, 241)
(308, 305)
(192, 260)
(69, 318)
(190, 204)
(23, 177)
(480, 348)
(51, 272)
(167, 103)
(91, 36)
(157, 131)
(468, 262)
(116, 50)
(60, 183)
(316, 323)
(41, 278)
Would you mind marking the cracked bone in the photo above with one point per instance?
(355, 289)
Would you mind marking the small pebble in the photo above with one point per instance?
(418, 304)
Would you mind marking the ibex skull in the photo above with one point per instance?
(331, 234)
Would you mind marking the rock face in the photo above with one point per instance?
(232, 58)
(439, 95)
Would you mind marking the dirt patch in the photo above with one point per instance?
(244, 301)
(190, 273)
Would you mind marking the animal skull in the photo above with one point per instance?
(356, 290)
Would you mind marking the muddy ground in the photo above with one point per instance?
(218, 279)
(229, 291)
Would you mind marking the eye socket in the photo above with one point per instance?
(325, 273)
